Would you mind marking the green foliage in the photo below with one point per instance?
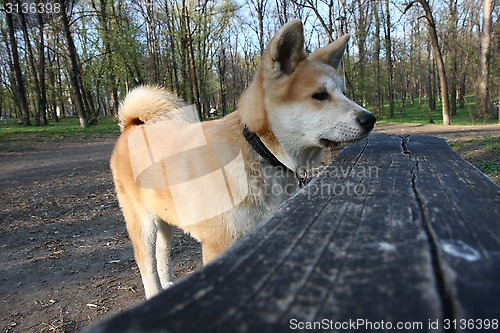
(413, 113)
(492, 169)
(483, 153)
(491, 143)
(15, 137)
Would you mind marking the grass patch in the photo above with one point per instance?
(491, 169)
(15, 137)
(491, 143)
(484, 153)
(416, 114)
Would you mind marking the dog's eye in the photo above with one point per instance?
(320, 96)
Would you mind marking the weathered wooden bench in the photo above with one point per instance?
(398, 231)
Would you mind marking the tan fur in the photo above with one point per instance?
(278, 106)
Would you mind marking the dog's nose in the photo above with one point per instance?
(367, 120)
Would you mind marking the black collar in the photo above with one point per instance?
(262, 150)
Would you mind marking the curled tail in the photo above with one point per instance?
(146, 103)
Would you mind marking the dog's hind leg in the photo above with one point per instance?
(142, 230)
(164, 237)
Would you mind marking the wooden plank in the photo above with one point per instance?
(337, 267)
(461, 210)
(367, 239)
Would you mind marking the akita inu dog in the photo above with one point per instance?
(217, 180)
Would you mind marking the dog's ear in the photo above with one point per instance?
(286, 50)
(332, 54)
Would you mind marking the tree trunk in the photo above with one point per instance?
(260, 7)
(196, 96)
(388, 54)
(314, 7)
(53, 89)
(362, 33)
(429, 87)
(438, 57)
(378, 82)
(442, 76)
(42, 98)
(281, 8)
(60, 89)
(88, 102)
(173, 58)
(465, 55)
(103, 17)
(21, 89)
(75, 69)
(31, 60)
(453, 56)
(222, 79)
(151, 38)
(484, 61)
(434, 85)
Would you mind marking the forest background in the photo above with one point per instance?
(79, 58)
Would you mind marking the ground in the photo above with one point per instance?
(65, 256)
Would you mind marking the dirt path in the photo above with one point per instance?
(449, 132)
(65, 256)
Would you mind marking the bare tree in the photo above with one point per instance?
(260, 7)
(21, 88)
(197, 101)
(102, 14)
(438, 56)
(363, 23)
(388, 55)
(378, 82)
(484, 61)
(38, 72)
(42, 97)
(222, 78)
(327, 26)
(453, 54)
(148, 12)
(74, 66)
(282, 9)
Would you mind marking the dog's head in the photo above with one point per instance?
(304, 102)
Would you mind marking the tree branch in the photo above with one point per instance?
(408, 6)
